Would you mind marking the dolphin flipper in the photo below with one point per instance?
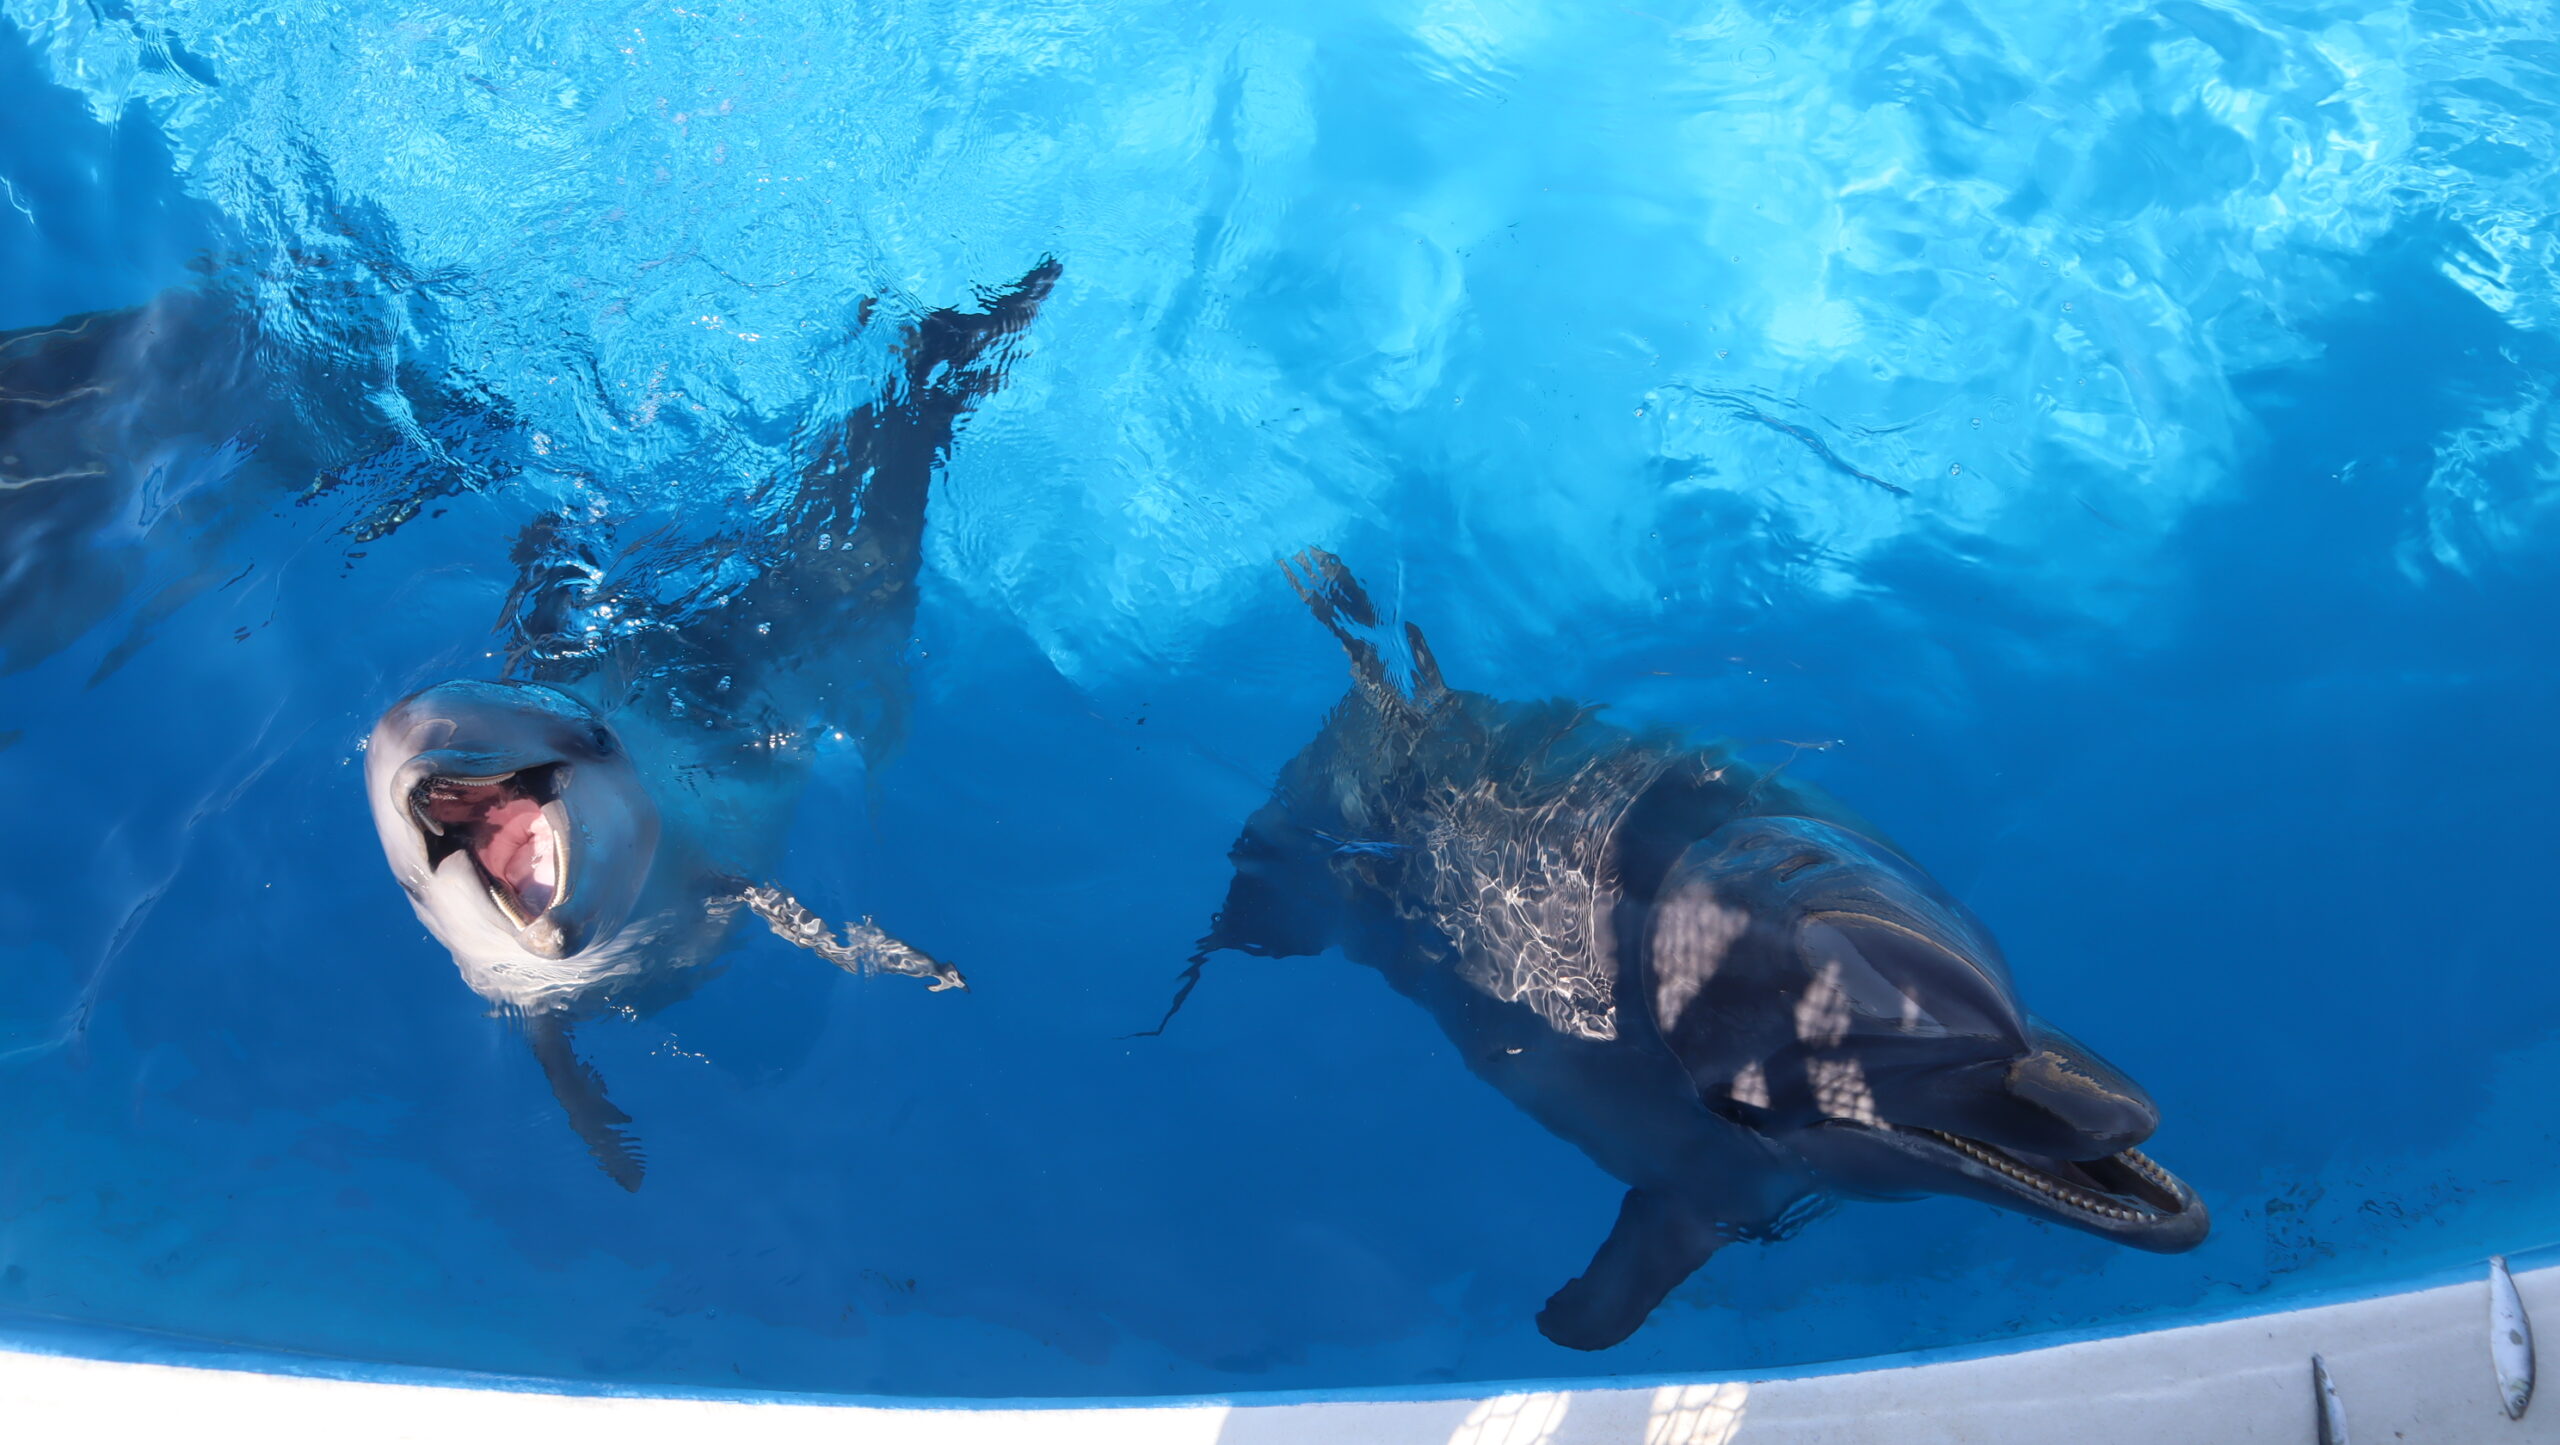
(580, 1090)
(1656, 1244)
(1286, 900)
(865, 949)
(1282, 903)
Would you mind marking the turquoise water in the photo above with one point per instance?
(2118, 438)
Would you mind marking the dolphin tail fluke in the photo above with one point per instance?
(947, 346)
(1339, 602)
(580, 1090)
(1427, 686)
(1657, 1243)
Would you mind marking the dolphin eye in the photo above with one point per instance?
(600, 739)
(1798, 864)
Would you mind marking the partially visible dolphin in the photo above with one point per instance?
(123, 439)
(1726, 989)
(141, 447)
(588, 834)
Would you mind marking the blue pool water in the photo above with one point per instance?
(2121, 435)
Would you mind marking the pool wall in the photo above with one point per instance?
(2412, 1365)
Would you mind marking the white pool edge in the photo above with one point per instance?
(2408, 1366)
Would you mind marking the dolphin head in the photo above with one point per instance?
(1825, 991)
(513, 816)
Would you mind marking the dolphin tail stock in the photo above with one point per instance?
(879, 463)
(580, 1090)
(945, 349)
(853, 540)
(1340, 603)
(1656, 1243)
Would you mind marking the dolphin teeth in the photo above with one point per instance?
(420, 813)
(507, 905)
(2056, 1189)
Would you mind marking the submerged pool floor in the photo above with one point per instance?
(2113, 451)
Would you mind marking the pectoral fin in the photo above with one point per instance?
(580, 1090)
(865, 949)
(1657, 1243)
(1283, 903)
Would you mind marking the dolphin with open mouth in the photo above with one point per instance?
(1730, 992)
(587, 835)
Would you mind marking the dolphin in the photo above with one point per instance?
(1730, 992)
(587, 833)
(123, 438)
(141, 447)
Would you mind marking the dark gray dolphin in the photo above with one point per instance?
(1726, 989)
(587, 834)
(119, 427)
(138, 446)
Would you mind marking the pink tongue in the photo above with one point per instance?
(518, 849)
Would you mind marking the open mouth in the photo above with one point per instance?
(2127, 1187)
(512, 826)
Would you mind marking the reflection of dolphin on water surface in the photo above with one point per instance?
(1725, 989)
(586, 835)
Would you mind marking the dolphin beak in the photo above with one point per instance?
(2058, 1141)
(2080, 1099)
(2123, 1196)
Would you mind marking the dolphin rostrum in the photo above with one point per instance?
(1727, 990)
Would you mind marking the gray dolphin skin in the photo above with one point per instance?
(1731, 993)
(139, 447)
(587, 834)
(88, 406)
(148, 434)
